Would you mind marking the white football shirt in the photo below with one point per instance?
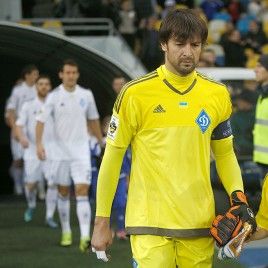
(27, 120)
(70, 112)
(20, 94)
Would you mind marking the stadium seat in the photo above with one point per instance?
(54, 26)
(265, 27)
(242, 24)
(264, 49)
(252, 58)
(25, 22)
(181, 6)
(216, 28)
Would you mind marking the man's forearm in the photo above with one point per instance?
(39, 132)
(94, 126)
(19, 132)
(11, 117)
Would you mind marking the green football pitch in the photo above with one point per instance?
(33, 245)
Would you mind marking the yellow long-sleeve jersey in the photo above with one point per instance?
(171, 123)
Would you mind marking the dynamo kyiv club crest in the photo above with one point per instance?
(203, 121)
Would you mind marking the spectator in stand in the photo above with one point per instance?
(127, 25)
(229, 27)
(242, 24)
(251, 85)
(118, 82)
(169, 6)
(234, 50)
(234, 9)
(143, 9)
(151, 55)
(208, 57)
(255, 37)
(254, 8)
(242, 122)
(110, 9)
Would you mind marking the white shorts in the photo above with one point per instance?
(36, 170)
(77, 170)
(16, 149)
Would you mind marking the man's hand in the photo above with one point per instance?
(14, 133)
(102, 237)
(40, 150)
(24, 142)
(225, 227)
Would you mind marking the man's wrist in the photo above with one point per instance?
(102, 220)
(238, 197)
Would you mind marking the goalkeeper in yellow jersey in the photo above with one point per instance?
(171, 118)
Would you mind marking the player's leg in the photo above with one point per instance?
(51, 203)
(16, 169)
(32, 176)
(194, 252)
(119, 206)
(41, 189)
(51, 193)
(16, 172)
(63, 180)
(152, 251)
(81, 176)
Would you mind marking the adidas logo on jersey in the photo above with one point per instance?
(159, 109)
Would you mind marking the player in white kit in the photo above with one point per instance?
(73, 110)
(36, 170)
(22, 92)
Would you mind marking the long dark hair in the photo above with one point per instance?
(183, 24)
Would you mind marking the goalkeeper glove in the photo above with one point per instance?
(242, 210)
(225, 227)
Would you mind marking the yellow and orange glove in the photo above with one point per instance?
(225, 227)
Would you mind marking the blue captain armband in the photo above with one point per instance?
(222, 131)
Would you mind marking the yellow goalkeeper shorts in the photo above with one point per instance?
(162, 252)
